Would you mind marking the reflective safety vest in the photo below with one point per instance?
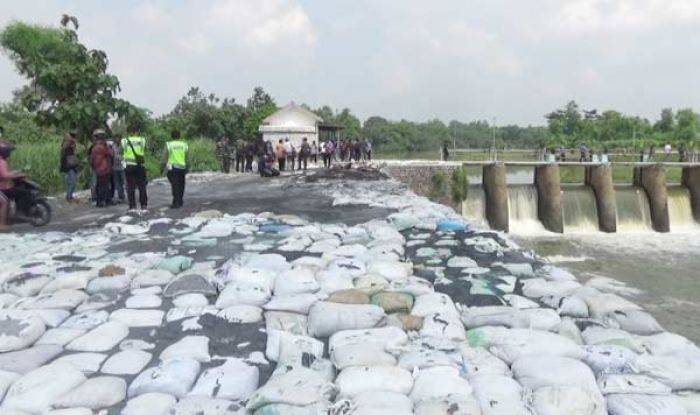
(177, 154)
(139, 147)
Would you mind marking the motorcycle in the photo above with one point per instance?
(28, 204)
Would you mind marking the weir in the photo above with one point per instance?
(598, 204)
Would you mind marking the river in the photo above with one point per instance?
(664, 267)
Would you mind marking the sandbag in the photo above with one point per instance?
(534, 342)
(444, 325)
(534, 372)
(480, 362)
(298, 303)
(20, 329)
(243, 294)
(535, 318)
(284, 409)
(609, 358)
(426, 358)
(349, 296)
(439, 382)
(638, 384)
(391, 270)
(275, 338)
(234, 380)
(690, 401)
(668, 344)
(678, 372)
(635, 321)
(603, 304)
(298, 386)
(632, 404)
(296, 281)
(539, 287)
(386, 337)
(175, 264)
(434, 303)
(498, 395)
(393, 302)
(374, 403)
(361, 355)
(451, 405)
(174, 377)
(299, 350)
(569, 400)
(37, 389)
(355, 380)
(327, 318)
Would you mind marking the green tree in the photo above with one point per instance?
(666, 123)
(686, 126)
(70, 87)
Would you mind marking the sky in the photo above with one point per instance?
(511, 60)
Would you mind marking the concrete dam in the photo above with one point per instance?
(533, 199)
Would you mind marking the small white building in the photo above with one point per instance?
(293, 122)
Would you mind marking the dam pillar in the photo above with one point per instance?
(549, 208)
(496, 192)
(653, 180)
(600, 179)
(691, 180)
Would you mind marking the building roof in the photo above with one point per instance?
(291, 118)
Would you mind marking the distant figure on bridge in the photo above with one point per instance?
(444, 152)
(667, 151)
(583, 150)
(224, 151)
(651, 153)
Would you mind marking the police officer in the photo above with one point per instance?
(135, 171)
(177, 154)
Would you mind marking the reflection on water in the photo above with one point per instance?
(666, 267)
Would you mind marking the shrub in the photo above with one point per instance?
(459, 185)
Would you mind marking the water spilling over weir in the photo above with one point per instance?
(580, 211)
(522, 209)
(633, 213)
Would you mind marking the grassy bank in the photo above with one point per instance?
(40, 161)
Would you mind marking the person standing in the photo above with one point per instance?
(368, 149)
(177, 154)
(281, 155)
(69, 165)
(135, 170)
(293, 157)
(7, 178)
(667, 151)
(250, 150)
(223, 151)
(444, 152)
(314, 152)
(118, 169)
(304, 153)
(240, 157)
(101, 158)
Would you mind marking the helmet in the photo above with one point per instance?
(6, 149)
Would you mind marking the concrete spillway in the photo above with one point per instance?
(580, 212)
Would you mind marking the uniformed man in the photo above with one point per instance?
(224, 152)
(135, 171)
(239, 147)
(177, 154)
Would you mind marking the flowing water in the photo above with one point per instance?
(580, 211)
(474, 207)
(522, 210)
(680, 212)
(633, 214)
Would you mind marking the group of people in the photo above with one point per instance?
(118, 168)
(283, 155)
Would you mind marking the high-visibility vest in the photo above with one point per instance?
(139, 147)
(177, 154)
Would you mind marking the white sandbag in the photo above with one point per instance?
(569, 400)
(189, 347)
(519, 269)
(361, 355)
(609, 358)
(386, 337)
(374, 403)
(35, 391)
(347, 266)
(283, 321)
(573, 306)
(298, 386)
(534, 342)
(95, 393)
(19, 329)
(535, 372)
(6, 380)
(451, 405)
(371, 283)
(433, 303)
(480, 362)
(519, 301)
(126, 362)
(297, 344)
(635, 321)
(355, 380)
(554, 273)
(327, 318)
(296, 281)
(426, 358)
(570, 330)
(241, 314)
(174, 377)
(678, 372)
(535, 318)
(298, 303)
(274, 262)
(631, 404)
(498, 395)
(439, 382)
(391, 270)
(690, 401)
(100, 339)
(150, 404)
(234, 380)
(603, 304)
(241, 293)
(630, 383)
(539, 287)
(668, 344)
(284, 409)
(444, 325)
(595, 335)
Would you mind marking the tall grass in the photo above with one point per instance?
(41, 162)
